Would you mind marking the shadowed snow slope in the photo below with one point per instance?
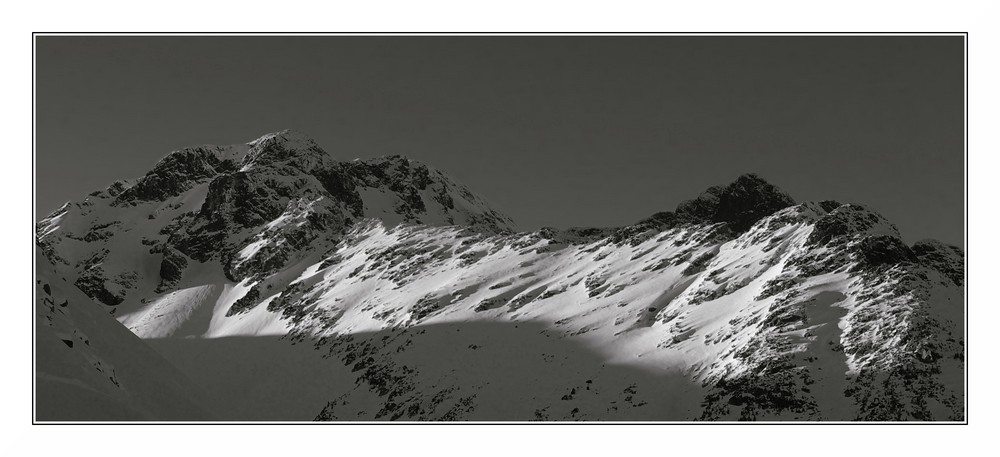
(292, 286)
(90, 367)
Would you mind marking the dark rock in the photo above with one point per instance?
(884, 250)
(285, 149)
(171, 268)
(92, 283)
(845, 220)
(829, 205)
(699, 264)
(740, 204)
(101, 231)
(341, 186)
(117, 187)
(242, 196)
(245, 303)
(175, 174)
(200, 245)
(945, 258)
(92, 280)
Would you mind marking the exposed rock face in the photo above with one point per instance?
(94, 281)
(848, 220)
(949, 260)
(285, 151)
(171, 269)
(881, 250)
(175, 174)
(739, 205)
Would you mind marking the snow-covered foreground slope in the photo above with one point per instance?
(90, 367)
(292, 286)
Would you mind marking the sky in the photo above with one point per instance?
(554, 131)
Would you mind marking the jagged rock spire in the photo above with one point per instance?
(739, 204)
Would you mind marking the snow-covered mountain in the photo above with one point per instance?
(293, 286)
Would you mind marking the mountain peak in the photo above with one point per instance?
(284, 136)
(293, 147)
(740, 204)
(751, 179)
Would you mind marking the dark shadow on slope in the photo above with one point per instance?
(257, 378)
(89, 367)
(470, 371)
(478, 371)
(463, 371)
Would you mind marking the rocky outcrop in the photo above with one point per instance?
(175, 174)
(171, 269)
(947, 259)
(846, 221)
(739, 205)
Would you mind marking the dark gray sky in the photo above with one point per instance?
(555, 131)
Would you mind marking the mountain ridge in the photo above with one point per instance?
(766, 308)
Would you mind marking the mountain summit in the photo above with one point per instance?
(290, 285)
(740, 204)
(281, 194)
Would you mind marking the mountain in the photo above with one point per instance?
(290, 285)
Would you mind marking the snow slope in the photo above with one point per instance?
(293, 286)
(89, 367)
